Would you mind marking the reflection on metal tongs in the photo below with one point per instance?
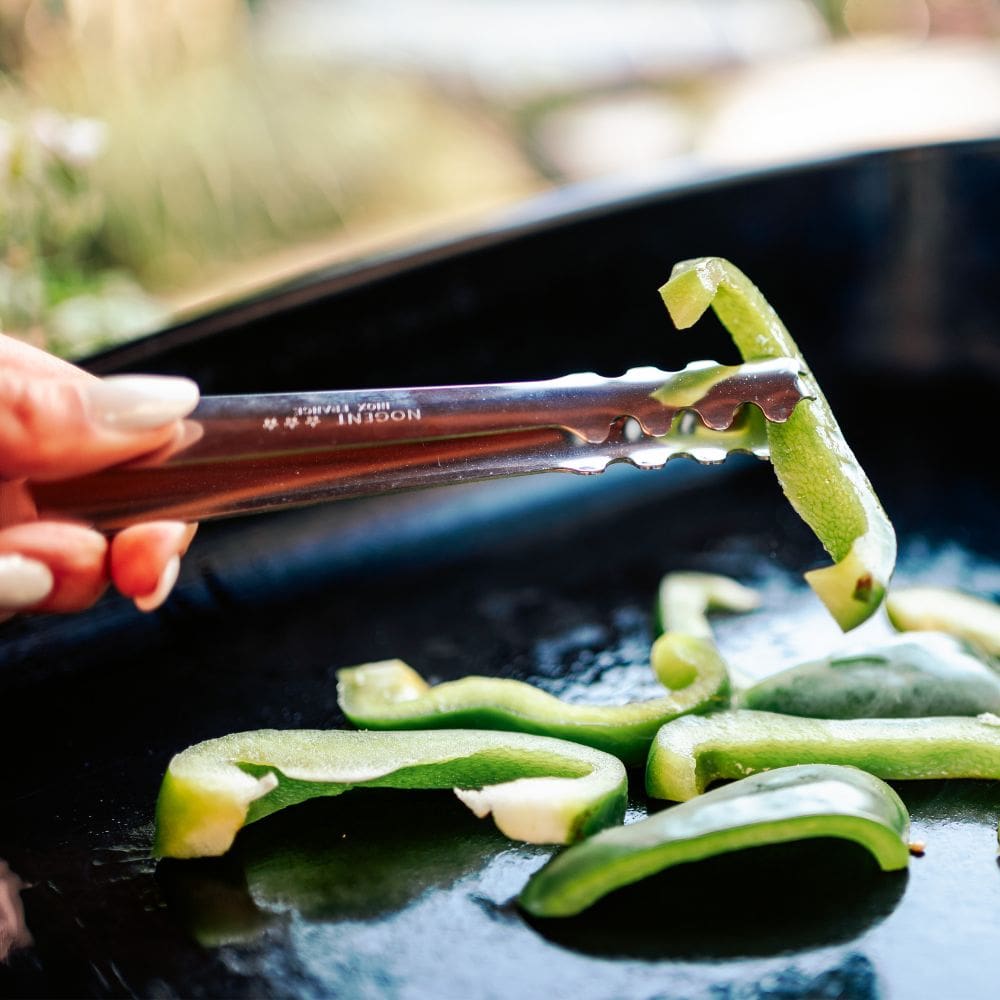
(243, 454)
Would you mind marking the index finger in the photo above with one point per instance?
(17, 356)
(66, 426)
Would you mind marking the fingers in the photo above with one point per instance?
(145, 560)
(59, 422)
(16, 355)
(58, 428)
(51, 566)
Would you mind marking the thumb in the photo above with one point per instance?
(57, 428)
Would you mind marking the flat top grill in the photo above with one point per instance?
(407, 895)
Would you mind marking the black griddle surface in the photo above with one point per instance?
(396, 894)
(379, 894)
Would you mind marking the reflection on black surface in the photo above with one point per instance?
(364, 858)
(211, 899)
(354, 858)
(752, 903)
(852, 978)
(952, 801)
(14, 933)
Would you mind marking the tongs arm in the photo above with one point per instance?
(245, 454)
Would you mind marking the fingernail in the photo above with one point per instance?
(141, 402)
(23, 582)
(190, 530)
(151, 601)
(177, 536)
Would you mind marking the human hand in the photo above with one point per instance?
(57, 422)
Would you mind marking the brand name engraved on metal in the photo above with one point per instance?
(321, 410)
(376, 412)
(377, 416)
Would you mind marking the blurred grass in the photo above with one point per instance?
(236, 161)
(217, 157)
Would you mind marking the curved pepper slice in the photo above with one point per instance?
(682, 605)
(791, 803)
(392, 695)
(689, 754)
(539, 790)
(938, 608)
(909, 676)
(814, 465)
(684, 600)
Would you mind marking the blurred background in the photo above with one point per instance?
(160, 159)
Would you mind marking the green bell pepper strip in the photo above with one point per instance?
(790, 803)
(681, 615)
(908, 676)
(816, 469)
(939, 608)
(684, 600)
(538, 789)
(690, 753)
(392, 695)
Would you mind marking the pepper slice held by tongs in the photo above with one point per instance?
(253, 453)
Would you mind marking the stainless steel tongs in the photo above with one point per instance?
(242, 454)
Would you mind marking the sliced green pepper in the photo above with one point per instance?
(791, 803)
(690, 753)
(908, 676)
(817, 470)
(391, 695)
(938, 608)
(684, 600)
(538, 789)
(682, 606)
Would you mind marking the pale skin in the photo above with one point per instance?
(46, 434)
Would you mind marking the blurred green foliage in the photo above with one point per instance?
(181, 153)
(52, 216)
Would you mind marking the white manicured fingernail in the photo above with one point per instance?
(23, 582)
(190, 530)
(140, 402)
(151, 601)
